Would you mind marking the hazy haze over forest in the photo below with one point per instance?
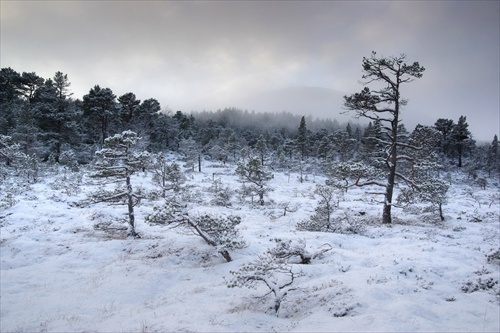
(267, 56)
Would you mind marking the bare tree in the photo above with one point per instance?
(384, 104)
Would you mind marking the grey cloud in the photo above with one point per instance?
(212, 54)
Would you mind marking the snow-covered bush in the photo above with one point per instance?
(29, 167)
(222, 194)
(278, 276)
(494, 256)
(432, 191)
(68, 159)
(168, 176)
(254, 178)
(217, 231)
(9, 150)
(285, 250)
(480, 284)
(67, 183)
(7, 200)
(323, 219)
(288, 207)
(353, 223)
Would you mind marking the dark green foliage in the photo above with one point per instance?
(493, 157)
(101, 112)
(461, 139)
(302, 138)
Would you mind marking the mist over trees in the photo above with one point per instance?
(42, 122)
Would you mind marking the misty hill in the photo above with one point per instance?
(300, 100)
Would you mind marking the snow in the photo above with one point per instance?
(60, 274)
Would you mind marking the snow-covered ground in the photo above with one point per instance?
(59, 273)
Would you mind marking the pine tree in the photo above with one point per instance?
(254, 173)
(128, 106)
(445, 127)
(152, 125)
(261, 147)
(302, 139)
(56, 114)
(168, 175)
(117, 162)
(100, 109)
(276, 275)
(432, 191)
(322, 219)
(192, 153)
(232, 145)
(9, 151)
(462, 139)
(10, 100)
(26, 128)
(493, 157)
(385, 105)
(217, 231)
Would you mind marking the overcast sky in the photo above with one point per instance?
(270, 56)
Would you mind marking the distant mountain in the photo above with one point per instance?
(302, 100)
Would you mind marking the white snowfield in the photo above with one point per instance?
(61, 272)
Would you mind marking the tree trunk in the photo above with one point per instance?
(391, 163)
(261, 196)
(209, 241)
(130, 204)
(389, 190)
(104, 130)
(226, 255)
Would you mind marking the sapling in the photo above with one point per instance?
(322, 219)
(288, 207)
(168, 175)
(254, 173)
(116, 162)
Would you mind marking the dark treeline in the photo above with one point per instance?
(41, 118)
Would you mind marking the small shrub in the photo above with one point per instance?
(285, 250)
(217, 231)
(480, 284)
(277, 276)
(494, 256)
